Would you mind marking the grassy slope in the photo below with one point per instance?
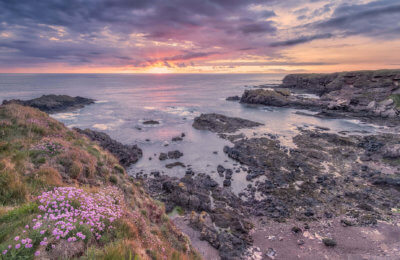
(37, 153)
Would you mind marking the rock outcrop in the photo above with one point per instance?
(126, 154)
(358, 94)
(218, 123)
(216, 212)
(53, 103)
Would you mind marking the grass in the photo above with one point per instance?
(396, 99)
(37, 153)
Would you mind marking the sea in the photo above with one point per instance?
(125, 101)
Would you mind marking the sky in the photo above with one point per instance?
(198, 36)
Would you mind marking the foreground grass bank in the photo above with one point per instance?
(62, 195)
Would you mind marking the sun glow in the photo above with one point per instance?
(159, 70)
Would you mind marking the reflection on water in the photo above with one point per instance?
(125, 101)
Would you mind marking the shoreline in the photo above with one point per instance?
(327, 186)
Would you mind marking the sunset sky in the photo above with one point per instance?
(198, 36)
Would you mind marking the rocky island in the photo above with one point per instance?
(53, 103)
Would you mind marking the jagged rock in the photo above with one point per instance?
(222, 124)
(126, 154)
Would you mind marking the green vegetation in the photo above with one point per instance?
(37, 154)
(396, 99)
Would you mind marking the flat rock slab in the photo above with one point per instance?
(54, 103)
(218, 123)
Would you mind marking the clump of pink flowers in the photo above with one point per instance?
(49, 147)
(66, 211)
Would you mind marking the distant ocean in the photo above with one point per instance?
(124, 101)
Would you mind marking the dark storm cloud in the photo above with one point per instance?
(205, 23)
(378, 18)
(300, 40)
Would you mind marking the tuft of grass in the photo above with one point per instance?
(12, 189)
(13, 219)
(113, 179)
(119, 169)
(120, 250)
(396, 99)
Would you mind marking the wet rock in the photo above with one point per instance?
(233, 98)
(175, 164)
(163, 156)
(126, 154)
(54, 103)
(151, 122)
(220, 169)
(170, 155)
(193, 193)
(174, 154)
(222, 124)
(227, 183)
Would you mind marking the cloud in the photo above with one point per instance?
(299, 40)
(377, 18)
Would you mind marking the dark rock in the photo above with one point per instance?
(227, 183)
(222, 124)
(170, 155)
(220, 169)
(296, 230)
(329, 242)
(54, 103)
(163, 156)
(151, 122)
(175, 164)
(126, 154)
(211, 219)
(233, 98)
(174, 154)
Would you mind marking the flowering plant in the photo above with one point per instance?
(71, 214)
(50, 147)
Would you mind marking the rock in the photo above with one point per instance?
(126, 154)
(163, 156)
(220, 169)
(211, 219)
(330, 242)
(151, 122)
(177, 139)
(174, 154)
(222, 124)
(391, 151)
(233, 98)
(296, 230)
(271, 253)
(175, 164)
(366, 94)
(170, 155)
(54, 103)
(227, 183)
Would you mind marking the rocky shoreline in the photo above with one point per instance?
(368, 95)
(327, 195)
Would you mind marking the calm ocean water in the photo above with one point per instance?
(125, 101)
